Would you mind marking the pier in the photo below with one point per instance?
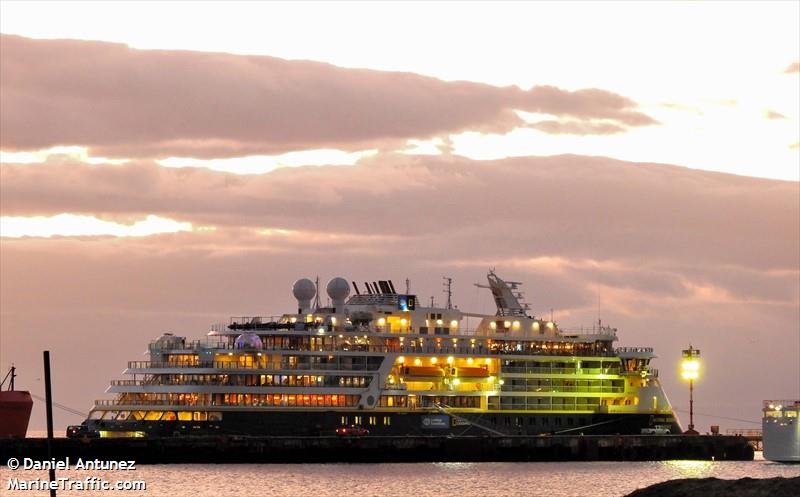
(380, 449)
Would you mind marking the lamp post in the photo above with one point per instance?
(690, 370)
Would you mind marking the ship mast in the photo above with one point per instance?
(448, 290)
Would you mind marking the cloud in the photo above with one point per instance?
(608, 208)
(578, 127)
(792, 68)
(122, 102)
(771, 114)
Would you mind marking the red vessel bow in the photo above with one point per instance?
(15, 412)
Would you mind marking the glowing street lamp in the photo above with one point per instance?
(690, 370)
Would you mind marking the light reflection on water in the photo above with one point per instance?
(571, 479)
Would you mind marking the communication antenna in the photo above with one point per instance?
(448, 289)
(408, 286)
(316, 296)
(431, 301)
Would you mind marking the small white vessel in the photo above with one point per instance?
(781, 429)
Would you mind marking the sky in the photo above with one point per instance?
(163, 170)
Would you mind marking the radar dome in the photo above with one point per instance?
(304, 289)
(338, 289)
(248, 341)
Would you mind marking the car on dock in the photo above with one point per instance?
(81, 431)
(352, 431)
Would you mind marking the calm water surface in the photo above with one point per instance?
(418, 480)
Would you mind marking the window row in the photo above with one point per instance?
(264, 380)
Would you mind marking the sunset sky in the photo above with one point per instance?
(165, 167)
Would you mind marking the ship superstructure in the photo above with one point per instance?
(381, 361)
(781, 430)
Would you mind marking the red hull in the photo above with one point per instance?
(15, 412)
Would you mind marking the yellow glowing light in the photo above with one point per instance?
(515, 325)
(535, 326)
(434, 360)
(550, 325)
(450, 359)
(456, 381)
(333, 320)
(293, 320)
(417, 361)
(453, 323)
(507, 324)
(381, 321)
(493, 325)
(401, 360)
(439, 322)
(404, 321)
(470, 360)
(690, 369)
(502, 382)
(488, 361)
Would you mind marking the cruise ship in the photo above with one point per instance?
(781, 430)
(373, 361)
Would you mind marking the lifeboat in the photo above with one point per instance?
(472, 372)
(423, 371)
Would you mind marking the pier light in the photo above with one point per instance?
(450, 359)
(434, 360)
(690, 371)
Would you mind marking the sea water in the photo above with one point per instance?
(558, 479)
